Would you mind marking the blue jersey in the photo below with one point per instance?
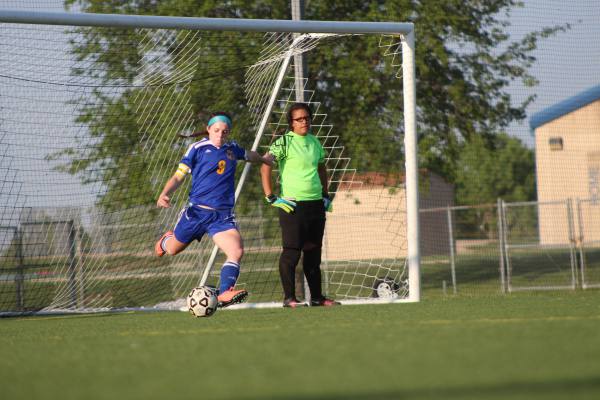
(213, 172)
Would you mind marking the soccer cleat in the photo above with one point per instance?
(158, 250)
(293, 303)
(324, 302)
(231, 296)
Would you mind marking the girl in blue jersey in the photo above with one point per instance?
(211, 162)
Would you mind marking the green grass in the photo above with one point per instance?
(522, 346)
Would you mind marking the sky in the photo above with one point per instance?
(567, 64)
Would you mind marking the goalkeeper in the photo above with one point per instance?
(302, 203)
(211, 162)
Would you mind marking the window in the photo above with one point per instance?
(556, 143)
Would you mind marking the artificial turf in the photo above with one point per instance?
(520, 346)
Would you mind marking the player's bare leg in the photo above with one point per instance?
(230, 242)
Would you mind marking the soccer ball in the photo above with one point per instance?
(202, 301)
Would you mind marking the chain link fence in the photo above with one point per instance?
(487, 249)
(588, 242)
(539, 245)
(519, 246)
(465, 258)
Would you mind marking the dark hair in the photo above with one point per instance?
(202, 121)
(298, 106)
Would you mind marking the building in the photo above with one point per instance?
(369, 218)
(567, 150)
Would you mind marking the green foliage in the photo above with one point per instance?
(487, 170)
(504, 168)
(465, 61)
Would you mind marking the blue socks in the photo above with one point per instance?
(229, 275)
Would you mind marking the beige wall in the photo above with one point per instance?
(369, 221)
(567, 173)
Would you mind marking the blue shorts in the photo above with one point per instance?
(195, 221)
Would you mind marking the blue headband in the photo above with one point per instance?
(220, 118)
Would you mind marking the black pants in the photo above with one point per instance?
(302, 232)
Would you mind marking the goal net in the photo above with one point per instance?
(94, 120)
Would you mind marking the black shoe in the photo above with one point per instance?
(293, 303)
(324, 302)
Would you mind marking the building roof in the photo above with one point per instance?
(354, 181)
(564, 107)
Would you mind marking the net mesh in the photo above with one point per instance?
(90, 134)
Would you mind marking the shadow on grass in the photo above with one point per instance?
(566, 388)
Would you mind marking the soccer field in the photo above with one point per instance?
(525, 346)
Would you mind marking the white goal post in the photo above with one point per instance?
(312, 31)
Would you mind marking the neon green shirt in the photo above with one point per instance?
(298, 158)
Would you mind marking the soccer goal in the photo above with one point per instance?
(97, 110)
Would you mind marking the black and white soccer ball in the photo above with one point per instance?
(202, 301)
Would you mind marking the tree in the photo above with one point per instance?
(505, 169)
(485, 172)
(464, 58)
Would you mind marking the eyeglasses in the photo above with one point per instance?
(301, 119)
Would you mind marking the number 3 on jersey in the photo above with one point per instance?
(221, 167)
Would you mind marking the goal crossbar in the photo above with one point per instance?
(199, 23)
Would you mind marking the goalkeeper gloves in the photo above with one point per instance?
(286, 205)
(327, 203)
